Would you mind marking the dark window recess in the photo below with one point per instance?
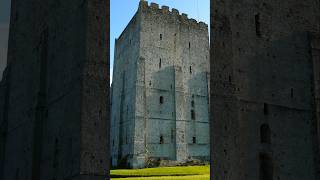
(265, 134)
(266, 167)
(172, 135)
(149, 83)
(189, 45)
(112, 142)
(161, 99)
(160, 36)
(291, 92)
(126, 139)
(193, 115)
(160, 63)
(17, 174)
(265, 109)
(190, 68)
(230, 79)
(257, 22)
(161, 140)
(192, 103)
(56, 154)
(194, 140)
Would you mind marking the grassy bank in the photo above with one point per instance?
(179, 173)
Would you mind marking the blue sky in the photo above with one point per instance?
(121, 12)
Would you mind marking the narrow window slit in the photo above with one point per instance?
(161, 99)
(257, 23)
(193, 115)
(161, 139)
(194, 140)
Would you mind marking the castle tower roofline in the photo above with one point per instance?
(154, 5)
(165, 9)
(184, 15)
(144, 6)
(175, 11)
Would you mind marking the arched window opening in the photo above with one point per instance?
(265, 134)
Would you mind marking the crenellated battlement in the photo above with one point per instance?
(174, 12)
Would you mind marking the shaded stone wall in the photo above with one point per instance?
(123, 97)
(57, 110)
(4, 93)
(263, 90)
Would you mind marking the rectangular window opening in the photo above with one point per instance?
(265, 108)
(161, 99)
(193, 115)
(161, 140)
(194, 140)
(172, 135)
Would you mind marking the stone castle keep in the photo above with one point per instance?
(160, 90)
(264, 90)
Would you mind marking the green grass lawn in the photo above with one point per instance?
(179, 173)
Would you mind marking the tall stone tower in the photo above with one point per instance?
(265, 89)
(54, 94)
(160, 89)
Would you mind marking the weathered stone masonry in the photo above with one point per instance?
(54, 97)
(265, 89)
(160, 89)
